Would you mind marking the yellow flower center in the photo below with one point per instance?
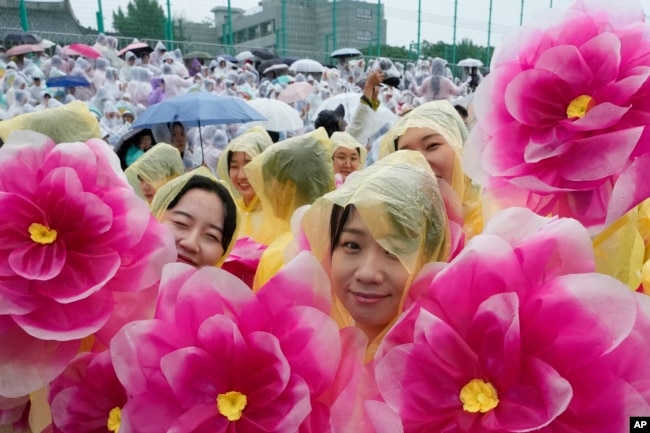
(579, 107)
(41, 234)
(114, 419)
(479, 396)
(231, 405)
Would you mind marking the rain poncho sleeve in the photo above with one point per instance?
(66, 124)
(442, 117)
(399, 200)
(251, 218)
(168, 192)
(157, 166)
(287, 175)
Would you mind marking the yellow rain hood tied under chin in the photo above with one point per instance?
(168, 192)
(157, 166)
(290, 174)
(250, 217)
(442, 117)
(399, 200)
(345, 140)
(66, 124)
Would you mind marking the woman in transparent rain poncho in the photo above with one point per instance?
(348, 155)
(239, 152)
(289, 174)
(155, 168)
(436, 130)
(201, 214)
(373, 235)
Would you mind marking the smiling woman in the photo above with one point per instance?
(202, 216)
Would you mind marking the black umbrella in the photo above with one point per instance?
(263, 54)
(267, 63)
(20, 38)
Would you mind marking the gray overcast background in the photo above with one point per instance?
(437, 16)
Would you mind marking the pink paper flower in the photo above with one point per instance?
(76, 234)
(518, 334)
(87, 397)
(218, 358)
(561, 118)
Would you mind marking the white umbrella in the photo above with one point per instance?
(278, 67)
(244, 55)
(470, 63)
(308, 66)
(281, 116)
(346, 52)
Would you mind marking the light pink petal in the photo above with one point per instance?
(630, 189)
(566, 62)
(302, 281)
(173, 277)
(27, 363)
(615, 15)
(137, 350)
(599, 156)
(603, 55)
(207, 292)
(569, 307)
(310, 341)
(602, 116)
(17, 296)
(76, 156)
(382, 417)
(109, 172)
(149, 412)
(64, 322)
(34, 261)
(131, 217)
(203, 418)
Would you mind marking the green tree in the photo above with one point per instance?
(389, 51)
(144, 19)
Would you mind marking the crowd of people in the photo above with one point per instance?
(347, 275)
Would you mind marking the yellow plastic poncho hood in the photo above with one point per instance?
(345, 140)
(399, 200)
(157, 166)
(252, 142)
(290, 174)
(442, 117)
(168, 192)
(66, 124)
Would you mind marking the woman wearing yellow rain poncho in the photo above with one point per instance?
(230, 168)
(373, 235)
(201, 214)
(156, 167)
(437, 131)
(348, 155)
(286, 176)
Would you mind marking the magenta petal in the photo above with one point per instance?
(149, 412)
(630, 189)
(77, 157)
(203, 418)
(38, 262)
(382, 417)
(17, 297)
(63, 322)
(599, 156)
(603, 55)
(28, 364)
(566, 62)
(536, 401)
(173, 277)
(602, 116)
(311, 343)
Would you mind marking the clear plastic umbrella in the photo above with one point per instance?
(281, 116)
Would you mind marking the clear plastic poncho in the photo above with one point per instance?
(157, 166)
(168, 192)
(251, 218)
(66, 124)
(399, 200)
(443, 118)
(290, 174)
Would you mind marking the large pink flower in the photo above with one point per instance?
(218, 358)
(87, 396)
(74, 233)
(561, 118)
(518, 335)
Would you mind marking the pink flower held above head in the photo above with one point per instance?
(561, 118)
(529, 339)
(75, 233)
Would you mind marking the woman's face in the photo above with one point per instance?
(197, 223)
(148, 191)
(345, 161)
(367, 279)
(145, 142)
(178, 138)
(238, 177)
(438, 153)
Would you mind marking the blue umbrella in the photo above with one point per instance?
(198, 109)
(67, 81)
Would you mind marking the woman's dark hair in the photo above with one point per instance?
(340, 216)
(275, 136)
(230, 209)
(133, 141)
